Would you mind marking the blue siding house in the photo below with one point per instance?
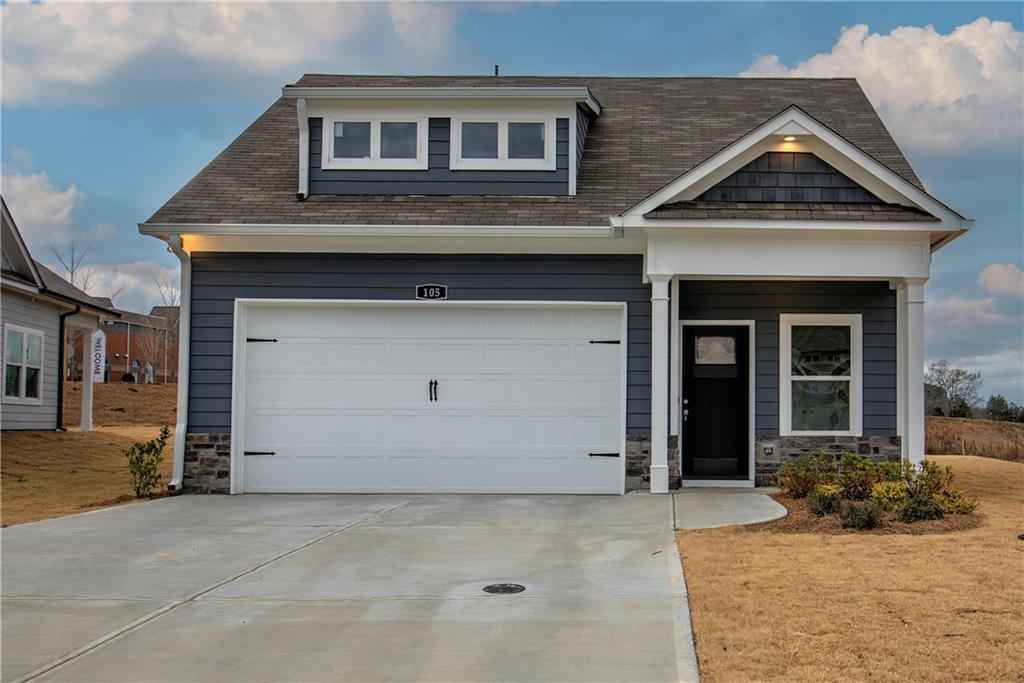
(549, 285)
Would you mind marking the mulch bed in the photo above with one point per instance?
(800, 520)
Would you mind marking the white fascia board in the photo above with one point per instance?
(317, 230)
(680, 224)
(574, 94)
(951, 220)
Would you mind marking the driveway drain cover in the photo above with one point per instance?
(504, 588)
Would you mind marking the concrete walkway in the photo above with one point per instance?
(715, 507)
(368, 588)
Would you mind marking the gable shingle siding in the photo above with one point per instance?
(650, 131)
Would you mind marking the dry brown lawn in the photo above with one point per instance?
(1003, 440)
(775, 606)
(123, 403)
(50, 474)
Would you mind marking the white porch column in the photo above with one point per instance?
(88, 339)
(913, 375)
(659, 383)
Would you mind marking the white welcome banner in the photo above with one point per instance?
(98, 357)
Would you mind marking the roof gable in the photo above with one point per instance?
(787, 177)
(794, 130)
(16, 258)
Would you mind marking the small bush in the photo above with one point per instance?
(859, 514)
(955, 502)
(894, 470)
(144, 458)
(127, 377)
(891, 496)
(824, 499)
(920, 507)
(857, 476)
(798, 479)
(928, 479)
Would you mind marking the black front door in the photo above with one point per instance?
(716, 404)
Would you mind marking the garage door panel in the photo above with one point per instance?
(522, 397)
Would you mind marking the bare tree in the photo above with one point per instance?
(118, 288)
(73, 259)
(152, 344)
(959, 386)
(169, 291)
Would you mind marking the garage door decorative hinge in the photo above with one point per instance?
(603, 455)
(259, 452)
(605, 341)
(260, 339)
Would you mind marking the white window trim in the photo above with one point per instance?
(375, 162)
(20, 398)
(503, 163)
(786, 323)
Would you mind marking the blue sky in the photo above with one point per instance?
(109, 109)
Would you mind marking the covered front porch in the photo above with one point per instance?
(764, 347)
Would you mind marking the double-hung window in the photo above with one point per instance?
(23, 365)
(366, 143)
(490, 144)
(820, 374)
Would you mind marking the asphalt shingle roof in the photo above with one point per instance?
(650, 131)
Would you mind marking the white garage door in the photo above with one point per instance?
(426, 397)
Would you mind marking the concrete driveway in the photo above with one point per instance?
(357, 587)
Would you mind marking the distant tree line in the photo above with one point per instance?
(955, 392)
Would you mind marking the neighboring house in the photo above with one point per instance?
(140, 345)
(549, 285)
(38, 306)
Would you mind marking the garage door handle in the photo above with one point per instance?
(259, 452)
(603, 455)
(605, 341)
(432, 390)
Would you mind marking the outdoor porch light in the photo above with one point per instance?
(789, 138)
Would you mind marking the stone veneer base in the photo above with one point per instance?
(207, 463)
(790, 448)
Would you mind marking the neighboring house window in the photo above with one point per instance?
(520, 143)
(820, 374)
(374, 143)
(23, 365)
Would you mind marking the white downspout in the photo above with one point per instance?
(184, 334)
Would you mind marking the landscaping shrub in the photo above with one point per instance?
(859, 514)
(955, 502)
(920, 507)
(144, 458)
(824, 499)
(894, 470)
(798, 479)
(928, 479)
(891, 496)
(857, 476)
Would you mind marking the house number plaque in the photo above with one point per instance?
(432, 292)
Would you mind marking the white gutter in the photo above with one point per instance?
(162, 230)
(184, 334)
(300, 108)
(579, 94)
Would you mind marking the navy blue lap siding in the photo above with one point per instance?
(763, 302)
(439, 179)
(218, 279)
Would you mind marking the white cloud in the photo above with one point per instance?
(140, 281)
(117, 53)
(1002, 278)
(959, 314)
(939, 92)
(43, 212)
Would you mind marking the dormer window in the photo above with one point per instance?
(383, 143)
(488, 144)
